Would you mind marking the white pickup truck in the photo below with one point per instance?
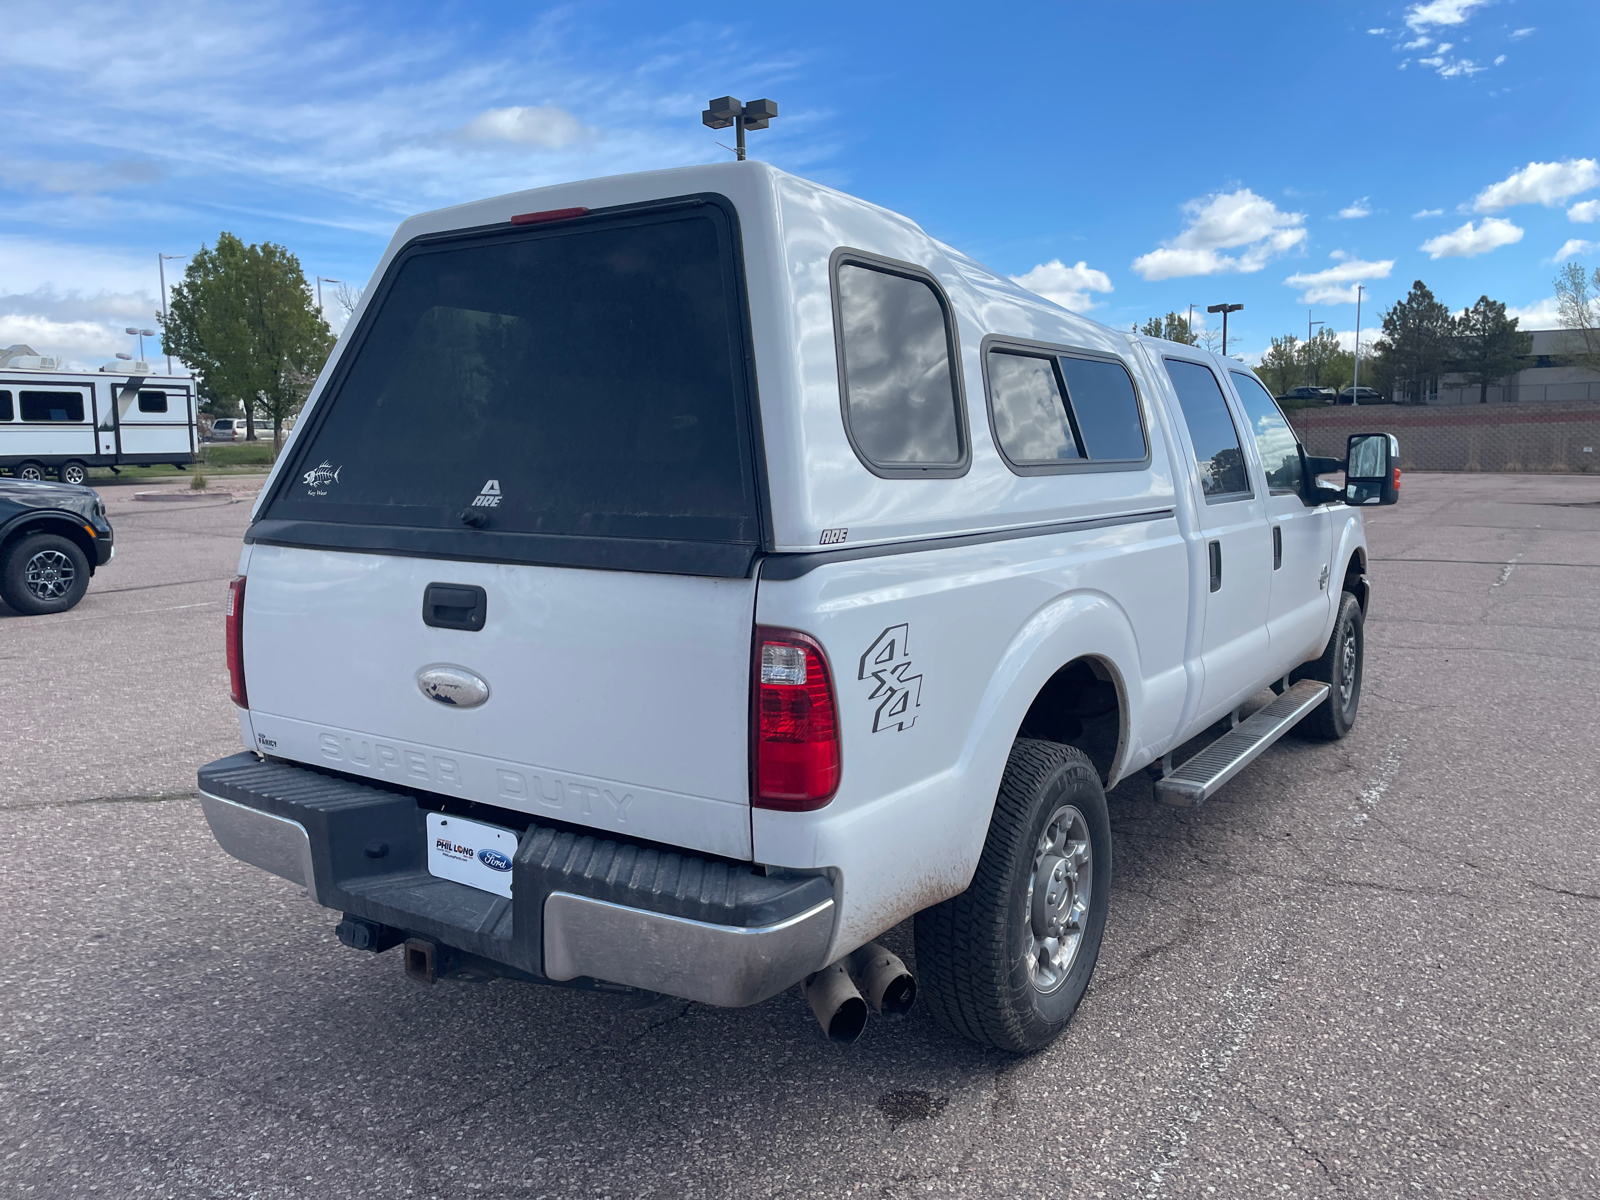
(678, 580)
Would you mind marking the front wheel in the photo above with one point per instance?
(74, 472)
(44, 573)
(31, 471)
(1006, 962)
(1339, 668)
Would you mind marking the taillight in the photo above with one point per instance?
(236, 642)
(795, 726)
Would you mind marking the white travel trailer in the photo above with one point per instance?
(60, 422)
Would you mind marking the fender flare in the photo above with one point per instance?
(51, 520)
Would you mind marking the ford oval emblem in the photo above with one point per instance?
(494, 860)
(453, 686)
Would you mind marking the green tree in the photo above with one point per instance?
(1416, 343)
(1280, 365)
(1579, 300)
(243, 317)
(1317, 357)
(1172, 327)
(1488, 346)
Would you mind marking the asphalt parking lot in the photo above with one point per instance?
(1367, 969)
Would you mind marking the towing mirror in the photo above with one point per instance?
(1372, 469)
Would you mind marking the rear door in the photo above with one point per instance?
(533, 473)
(152, 419)
(1233, 524)
(1298, 607)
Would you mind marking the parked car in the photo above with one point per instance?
(227, 429)
(53, 537)
(671, 683)
(1307, 393)
(1361, 395)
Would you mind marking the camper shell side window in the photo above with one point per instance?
(900, 390)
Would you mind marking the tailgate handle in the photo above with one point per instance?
(454, 606)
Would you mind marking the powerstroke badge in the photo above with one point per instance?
(887, 663)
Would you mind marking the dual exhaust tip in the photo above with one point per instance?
(840, 994)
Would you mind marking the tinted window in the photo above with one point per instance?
(51, 406)
(1217, 452)
(582, 381)
(152, 402)
(1030, 417)
(6, 411)
(900, 385)
(1275, 440)
(1106, 407)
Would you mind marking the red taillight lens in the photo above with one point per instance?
(236, 642)
(795, 726)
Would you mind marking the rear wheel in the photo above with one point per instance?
(1006, 962)
(44, 573)
(74, 472)
(30, 470)
(1339, 668)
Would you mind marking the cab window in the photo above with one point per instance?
(1218, 455)
(1275, 440)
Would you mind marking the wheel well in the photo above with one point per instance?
(1081, 705)
(1355, 579)
(57, 525)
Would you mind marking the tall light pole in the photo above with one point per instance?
(141, 334)
(721, 113)
(1191, 323)
(1355, 388)
(322, 279)
(1310, 323)
(1224, 309)
(161, 266)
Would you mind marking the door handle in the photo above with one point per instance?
(1215, 549)
(1277, 546)
(454, 606)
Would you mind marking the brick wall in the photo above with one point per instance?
(1544, 437)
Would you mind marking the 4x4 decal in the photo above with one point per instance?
(887, 663)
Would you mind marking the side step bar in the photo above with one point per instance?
(1203, 775)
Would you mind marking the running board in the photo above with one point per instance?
(1200, 778)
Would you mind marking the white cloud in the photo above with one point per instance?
(1542, 314)
(1585, 213)
(1428, 212)
(1067, 286)
(1574, 248)
(1470, 241)
(1539, 183)
(1379, 32)
(1440, 12)
(1498, 59)
(1357, 210)
(1421, 43)
(1225, 221)
(1337, 284)
(546, 127)
(1518, 34)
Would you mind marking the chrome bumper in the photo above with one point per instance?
(275, 844)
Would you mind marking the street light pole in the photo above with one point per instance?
(1224, 309)
(1355, 384)
(726, 111)
(322, 279)
(161, 265)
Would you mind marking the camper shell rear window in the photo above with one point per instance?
(572, 394)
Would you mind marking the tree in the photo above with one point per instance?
(244, 319)
(1580, 314)
(1172, 327)
(1488, 345)
(1317, 355)
(1281, 364)
(1415, 345)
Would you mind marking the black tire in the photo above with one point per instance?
(43, 573)
(974, 967)
(73, 472)
(1339, 668)
(29, 470)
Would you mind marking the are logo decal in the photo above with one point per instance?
(832, 537)
(887, 663)
(321, 477)
(494, 860)
(489, 497)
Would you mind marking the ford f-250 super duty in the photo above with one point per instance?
(678, 580)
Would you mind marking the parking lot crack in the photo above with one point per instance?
(135, 798)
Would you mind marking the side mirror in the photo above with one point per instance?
(1372, 469)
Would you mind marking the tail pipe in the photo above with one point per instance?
(840, 994)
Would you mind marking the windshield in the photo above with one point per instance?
(582, 380)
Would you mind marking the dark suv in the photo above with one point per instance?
(52, 538)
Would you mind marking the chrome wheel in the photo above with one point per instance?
(49, 575)
(1059, 891)
(31, 471)
(1347, 667)
(74, 473)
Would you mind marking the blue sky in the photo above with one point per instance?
(1125, 159)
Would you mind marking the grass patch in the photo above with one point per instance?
(237, 456)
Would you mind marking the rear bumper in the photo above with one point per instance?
(582, 907)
